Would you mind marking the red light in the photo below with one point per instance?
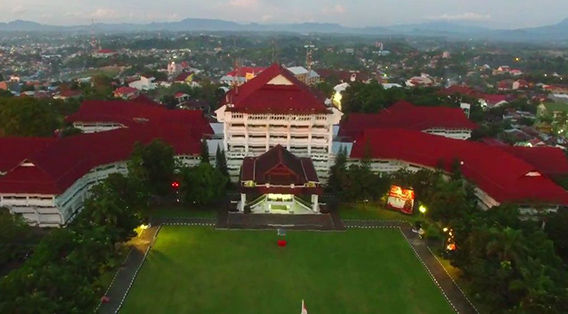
(175, 184)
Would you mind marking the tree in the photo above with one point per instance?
(556, 229)
(221, 161)
(153, 165)
(170, 101)
(337, 172)
(16, 238)
(202, 184)
(204, 154)
(27, 117)
(117, 202)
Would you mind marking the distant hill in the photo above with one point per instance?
(550, 33)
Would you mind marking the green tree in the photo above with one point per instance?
(16, 238)
(202, 184)
(337, 172)
(221, 161)
(556, 229)
(204, 154)
(117, 202)
(153, 165)
(27, 117)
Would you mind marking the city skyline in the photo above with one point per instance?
(507, 14)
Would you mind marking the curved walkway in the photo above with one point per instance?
(125, 275)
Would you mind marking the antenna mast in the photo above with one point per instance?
(309, 50)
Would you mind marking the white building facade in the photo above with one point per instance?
(57, 210)
(302, 134)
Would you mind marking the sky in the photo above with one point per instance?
(356, 13)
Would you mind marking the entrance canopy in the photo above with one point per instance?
(279, 171)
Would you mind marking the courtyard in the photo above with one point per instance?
(203, 270)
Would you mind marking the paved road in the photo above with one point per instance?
(451, 291)
(125, 276)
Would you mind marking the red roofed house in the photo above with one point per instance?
(186, 78)
(275, 108)
(521, 84)
(443, 121)
(459, 90)
(126, 92)
(67, 94)
(47, 183)
(493, 101)
(241, 75)
(275, 181)
(499, 176)
(104, 53)
(181, 97)
(505, 85)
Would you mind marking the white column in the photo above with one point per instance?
(288, 133)
(315, 204)
(225, 131)
(243, 202)
(310, 135)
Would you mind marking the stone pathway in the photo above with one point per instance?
(451, 291)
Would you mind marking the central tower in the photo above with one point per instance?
(273, 109)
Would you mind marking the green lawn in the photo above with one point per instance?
(174, 212)
(201, 270)
(373, 211)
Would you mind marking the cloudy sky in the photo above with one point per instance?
(492, 13)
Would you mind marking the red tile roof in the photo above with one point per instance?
(71, 93)
(15, 149)
(133, 113)
(494, 99)
(124, 90)
(57, 166)
(548, 160)
(182, 76)
(107, 51)
(406, 115)
(268, 167)
(257, 96)
(500, 174)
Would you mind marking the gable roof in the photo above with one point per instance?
(53, 169)
(408, 116)
(550, 161)
(274, 90)
(258, 169)
(13, 150)
(500, 174)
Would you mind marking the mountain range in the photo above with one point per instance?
(549, 33)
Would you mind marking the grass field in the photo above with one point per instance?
(201, 270)
(181, 212)
(374, 211)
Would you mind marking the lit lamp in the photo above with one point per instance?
(422, 209)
